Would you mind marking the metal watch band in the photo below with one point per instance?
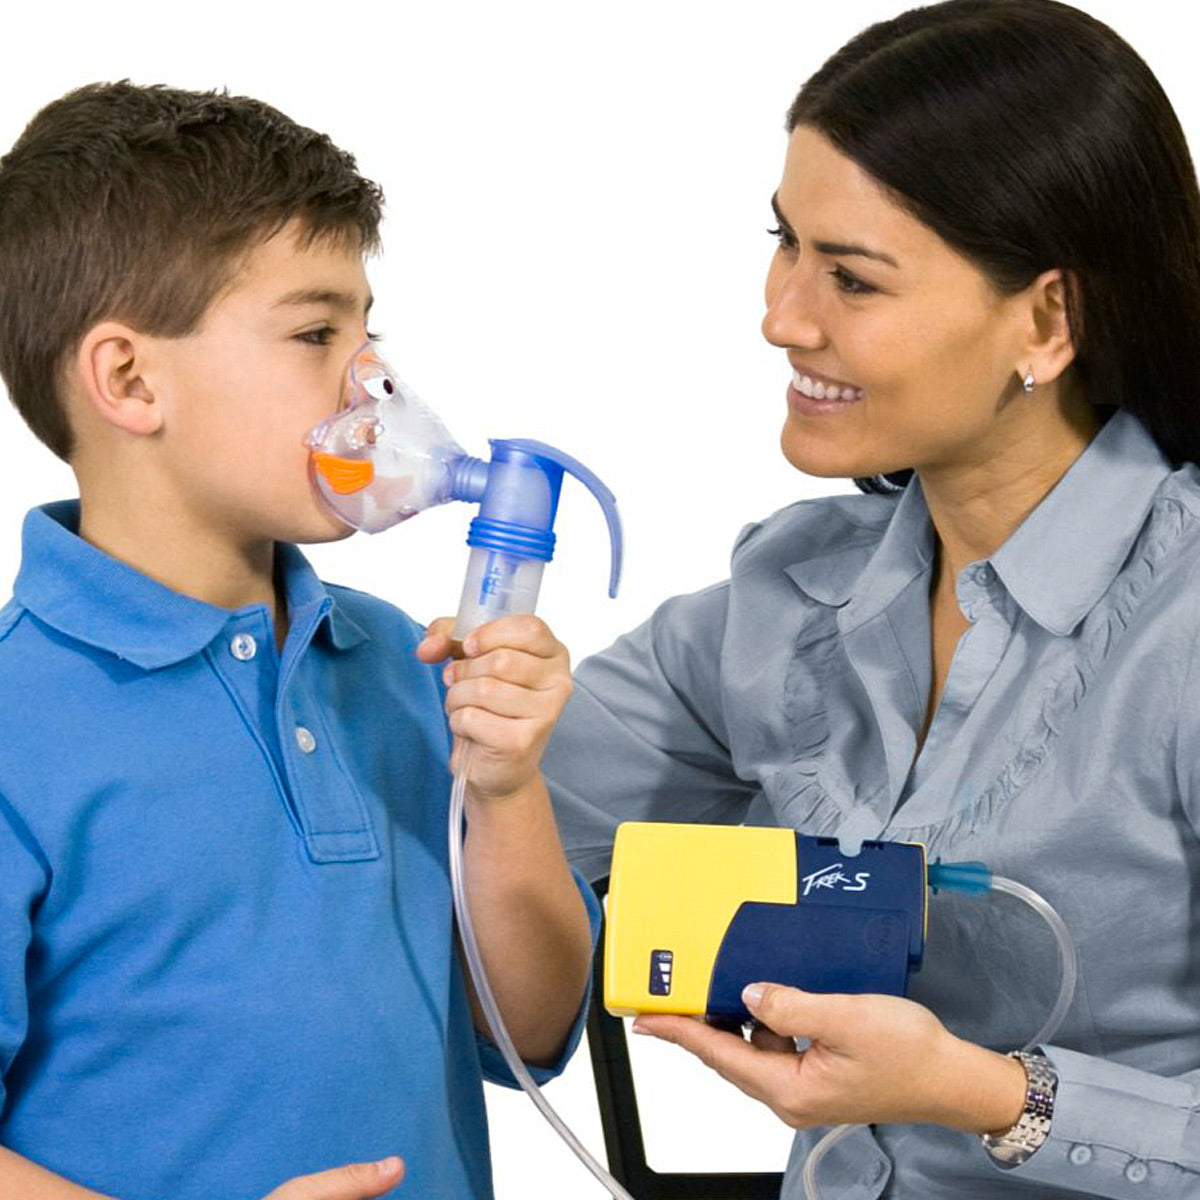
(1014, 1146)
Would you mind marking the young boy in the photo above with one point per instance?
(226, 949)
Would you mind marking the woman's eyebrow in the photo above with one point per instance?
(834, 249)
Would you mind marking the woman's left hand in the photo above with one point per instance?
(871, 1060)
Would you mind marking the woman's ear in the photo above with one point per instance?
(1050, 346)
(109, 375)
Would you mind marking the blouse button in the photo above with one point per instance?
(305, 739)
(1136, 1172)
(1080, 1155)
(243, 647)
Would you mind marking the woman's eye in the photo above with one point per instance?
(851, 284)
(783, 237)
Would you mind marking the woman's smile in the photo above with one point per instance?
(812, 394)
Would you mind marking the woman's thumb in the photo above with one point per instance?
(792, 1013)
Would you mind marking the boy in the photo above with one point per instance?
(226, 952)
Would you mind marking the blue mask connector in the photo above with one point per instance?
(512, 537)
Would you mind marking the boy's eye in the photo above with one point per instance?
(851, 284)
(322, 336)
(317, 337)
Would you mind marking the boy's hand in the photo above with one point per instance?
(504, 694)
(357, 1181)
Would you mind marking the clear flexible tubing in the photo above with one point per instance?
(1068, 970)
(483, 989)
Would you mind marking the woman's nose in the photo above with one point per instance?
(792, 317)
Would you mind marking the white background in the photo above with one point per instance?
(577, 198)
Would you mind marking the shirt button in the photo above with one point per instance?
(984, 573)
(1080, 1155)
(1136, 1172)
(243, 647)
(305, 739)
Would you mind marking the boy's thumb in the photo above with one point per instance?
(355, 1181)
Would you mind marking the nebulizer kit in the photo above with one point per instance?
(695, 912)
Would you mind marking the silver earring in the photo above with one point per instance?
(1027, 383)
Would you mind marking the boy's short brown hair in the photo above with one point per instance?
(135, 204)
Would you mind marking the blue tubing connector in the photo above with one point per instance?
(973, 878)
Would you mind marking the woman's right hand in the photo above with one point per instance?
(355, 1181)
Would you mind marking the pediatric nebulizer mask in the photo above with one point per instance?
(384, 457)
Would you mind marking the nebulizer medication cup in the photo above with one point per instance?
(382, 458)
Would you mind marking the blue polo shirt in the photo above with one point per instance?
(226, 952)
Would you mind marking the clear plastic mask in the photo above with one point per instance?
(383, 456)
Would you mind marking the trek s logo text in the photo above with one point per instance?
(834, 878)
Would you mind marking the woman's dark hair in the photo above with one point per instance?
(1029, 136)
(138, 204)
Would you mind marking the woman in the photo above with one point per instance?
(986, 286)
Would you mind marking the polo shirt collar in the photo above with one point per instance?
(95, 598)
(1056, 565)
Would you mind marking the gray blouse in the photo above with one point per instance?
(1063, 753)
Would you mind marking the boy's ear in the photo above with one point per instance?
(109, 370)
(1049, 348)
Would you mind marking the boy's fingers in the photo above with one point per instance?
(438, 642)
(510, 665)
(495, 696)
(526, 632)
(356, 1181)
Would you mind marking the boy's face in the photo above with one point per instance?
(241, 391)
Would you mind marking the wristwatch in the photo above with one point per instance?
(1014, 1146)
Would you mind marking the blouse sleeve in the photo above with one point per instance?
(1119, 1132)
(644, 736)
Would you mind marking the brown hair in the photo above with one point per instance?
(136, 204)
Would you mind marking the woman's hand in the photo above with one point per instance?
(871, 1060)
(504, 695)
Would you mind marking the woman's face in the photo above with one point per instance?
(917, 349)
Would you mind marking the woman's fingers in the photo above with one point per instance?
(766, 1039)
(792, 1013)
(762, 1074)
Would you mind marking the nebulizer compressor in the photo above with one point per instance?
(695, 912)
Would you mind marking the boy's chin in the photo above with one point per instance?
(320, 527)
